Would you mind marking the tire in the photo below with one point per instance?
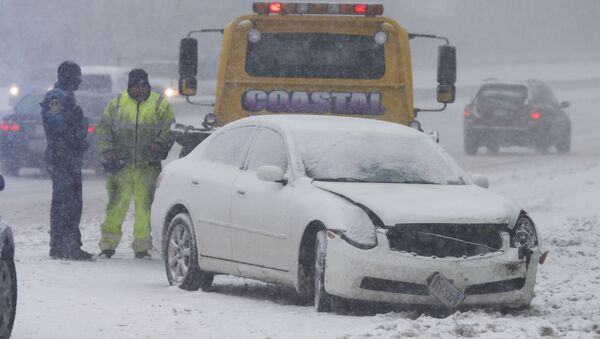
(11, 168)
(493, 148)
(563, 146)
(181, 256)
(324, 302)
(471, 144)
(8, 296)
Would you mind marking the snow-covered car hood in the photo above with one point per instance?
(414, 203)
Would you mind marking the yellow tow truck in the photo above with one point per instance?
(315, 58)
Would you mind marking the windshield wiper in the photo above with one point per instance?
(425, 182)
(340, 179)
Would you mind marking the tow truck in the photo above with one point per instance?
(312, 58)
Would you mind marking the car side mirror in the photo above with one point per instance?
(565, 104)
(446, 74)
(480, 180)
(188, 66)
(1, 182)
(271, 174)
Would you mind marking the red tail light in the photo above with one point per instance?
(91, 128)
(275, 7)
(467, 113)
(360, 9)
(535, 115)
(6, 127)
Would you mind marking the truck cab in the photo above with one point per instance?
(315, 58)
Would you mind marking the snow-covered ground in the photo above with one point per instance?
(128, 298)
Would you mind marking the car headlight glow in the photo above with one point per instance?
(169, 92)
(13, 90)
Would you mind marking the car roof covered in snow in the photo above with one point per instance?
(301, 122)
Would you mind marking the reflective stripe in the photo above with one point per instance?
(109, 241)
(128, 125)
(143, 244)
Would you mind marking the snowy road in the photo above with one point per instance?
(127, 298)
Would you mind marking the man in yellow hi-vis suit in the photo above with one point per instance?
(134, 137)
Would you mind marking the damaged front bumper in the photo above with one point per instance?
(384, 275)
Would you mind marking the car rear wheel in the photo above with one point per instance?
(471, 143)
(181, 256)
(8, 296)
(564, 144)
(11, 168)
(324, 302)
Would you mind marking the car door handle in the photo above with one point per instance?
(240, 191)
(195, 182)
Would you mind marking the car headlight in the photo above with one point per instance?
(523, 235)
(13, 90)
(169, 92)
(362, 237)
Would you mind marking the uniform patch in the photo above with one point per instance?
(54, 106)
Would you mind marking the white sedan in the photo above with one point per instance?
(342, 208)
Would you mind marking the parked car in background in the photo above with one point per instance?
(8, 278)
(22, 136)
(163, 76)
(341, 208)
(104, 79)
(508, 113)
(39, 78)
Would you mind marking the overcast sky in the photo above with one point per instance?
(127, 32)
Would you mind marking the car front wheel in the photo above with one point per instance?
(8, 296)
(181, 256)
(324, 302)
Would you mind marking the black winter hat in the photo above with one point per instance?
(68, 70)
(137, 76)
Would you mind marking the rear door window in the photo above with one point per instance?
(230, 147)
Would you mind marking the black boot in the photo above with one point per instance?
(80, 255)
(143, 255)
(56, 254)
(106, 254)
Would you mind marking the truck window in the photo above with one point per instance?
(315, 55)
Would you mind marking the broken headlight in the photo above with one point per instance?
(523, 235)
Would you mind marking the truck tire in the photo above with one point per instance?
(563, 145)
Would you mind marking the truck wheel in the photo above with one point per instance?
(8, 296)
(181, 256)
(493, 148)
(324, 302)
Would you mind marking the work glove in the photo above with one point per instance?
(155, 154)
(111, 162)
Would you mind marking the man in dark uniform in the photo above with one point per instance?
(66, 132)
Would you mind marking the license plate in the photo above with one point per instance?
(444, 291)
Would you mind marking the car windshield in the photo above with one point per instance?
(360, 156)
(503, 95)
(92, 106)
(315, 55)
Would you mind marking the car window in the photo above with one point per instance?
(230, 146)
(269, 149)
(96, 83)
(550, 98)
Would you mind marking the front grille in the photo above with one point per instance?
(384, 285)
(440, 240)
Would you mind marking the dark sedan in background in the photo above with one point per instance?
(506, 113)
(22, 137)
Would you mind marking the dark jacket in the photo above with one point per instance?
(65, 127)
